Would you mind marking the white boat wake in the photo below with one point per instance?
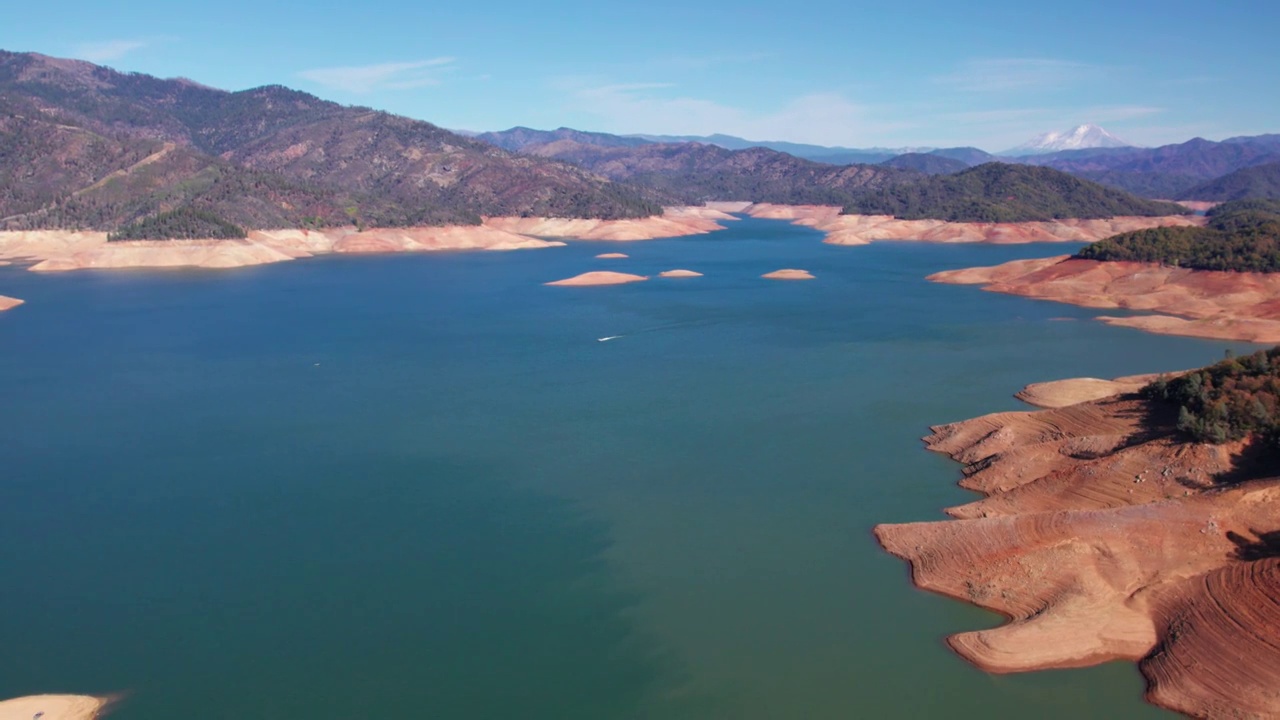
(611, 337)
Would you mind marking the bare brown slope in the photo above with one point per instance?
(1231, 617)
(1104, 536)
(1197, 303)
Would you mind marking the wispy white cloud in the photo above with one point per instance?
(1016, 74)
(651, 107)
(107, 50)
(382, 76)
(1116, 113)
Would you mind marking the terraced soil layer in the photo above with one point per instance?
(1103, 535)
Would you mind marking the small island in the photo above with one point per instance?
(598, 277)
(679, 274)
(788, 274)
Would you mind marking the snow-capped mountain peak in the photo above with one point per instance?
(1078, 138)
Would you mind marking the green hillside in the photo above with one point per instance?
(1242, 236)
(1000, 192)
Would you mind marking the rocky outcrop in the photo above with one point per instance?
(7, 303)
(1061, 393)
(1104, 535)
(864, 229)
(1195, 303)
(611, 256)
(599, 277)
(679, 274)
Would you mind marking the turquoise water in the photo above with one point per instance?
(417, 486)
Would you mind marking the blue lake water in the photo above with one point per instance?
(418, 486)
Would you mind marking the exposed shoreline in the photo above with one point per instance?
(865, 229)
(59, 251)
(1102, 536)
(1192, 303)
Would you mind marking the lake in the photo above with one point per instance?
(419, 486)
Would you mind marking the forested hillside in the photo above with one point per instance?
(1242, 236)
(1000, 192)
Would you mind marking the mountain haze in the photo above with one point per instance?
(834, 155)
(694, 172)
(1166, 171)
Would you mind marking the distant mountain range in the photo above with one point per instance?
(83, 146)
(834, 155)
(695, 172)
(1170, 171)
(916, 185)
(1080, 137)
(519, 138)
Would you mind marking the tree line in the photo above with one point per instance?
(1231, 400)
(181, 224)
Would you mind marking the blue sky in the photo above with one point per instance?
(890, 73)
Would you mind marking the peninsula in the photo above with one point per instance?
(1219, 280)
(1136, 526)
